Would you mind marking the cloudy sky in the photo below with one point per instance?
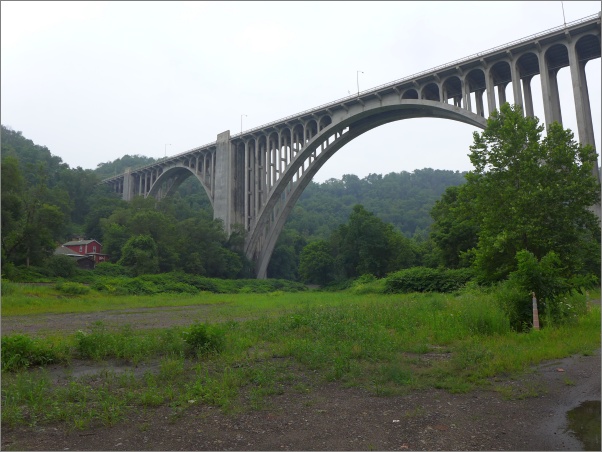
(94, 81)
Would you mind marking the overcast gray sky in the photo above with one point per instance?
(94, 81)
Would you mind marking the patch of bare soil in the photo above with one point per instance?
(331, 417)
(137, 318)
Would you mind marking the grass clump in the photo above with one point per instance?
(72, 288)
(202, 339)
(21, 352)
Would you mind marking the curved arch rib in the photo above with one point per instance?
(285, 193)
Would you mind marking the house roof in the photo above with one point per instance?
(63, 251)
(80, 242)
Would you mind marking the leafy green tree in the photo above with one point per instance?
(284, 263)
(532, 194)
(455, 228)
(368, 245)
(103, 203)
(31, 226)
(140, 255)
(163, 231)
(316, 263)
(61, 266)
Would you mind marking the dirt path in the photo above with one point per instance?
(331, 417)
(138, 318)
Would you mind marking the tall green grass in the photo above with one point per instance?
(388, 344)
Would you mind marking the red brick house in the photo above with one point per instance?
(91, 248)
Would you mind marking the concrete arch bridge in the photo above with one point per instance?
(254, 178)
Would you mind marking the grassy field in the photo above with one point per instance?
(388, 344)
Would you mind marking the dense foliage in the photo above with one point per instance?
(520, 221)
(534, 194)
(45, 203)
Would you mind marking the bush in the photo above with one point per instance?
(72, 288)
(26, 274)
(20, 352)
(367, 284)
(6, 287)
(201, 339)
(61, 266)
(109, 269)
(423, 279)
(97, 344)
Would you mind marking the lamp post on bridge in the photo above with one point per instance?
(241, 123)
(168, 144)
(357, 79)
(563, 17)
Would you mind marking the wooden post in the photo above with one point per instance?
(535, 313)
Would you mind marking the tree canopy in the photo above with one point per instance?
(533, 194)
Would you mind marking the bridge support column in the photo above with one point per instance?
(128, 185)
(490, 87)
(528, 96)
(516, 89)
(549, 89)
(223, 204)
(585, 126)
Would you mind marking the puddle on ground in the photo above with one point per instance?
(584, 423)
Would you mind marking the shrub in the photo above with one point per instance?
(368, 284)
(20, 352)
(6, 287)
(201, 339)
(423, 279)
(516, 303)
(61, 266)
(109, 269)
(97, 344)
(26, 274)
(72, 288)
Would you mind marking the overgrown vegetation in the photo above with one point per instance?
(387, 344)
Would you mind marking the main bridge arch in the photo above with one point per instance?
(265, 227)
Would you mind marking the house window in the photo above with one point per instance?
(81, 248)
(94, 249)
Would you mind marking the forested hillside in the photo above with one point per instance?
(45, 203)
(403, 199)
(534, 211)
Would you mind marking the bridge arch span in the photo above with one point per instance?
(168, 182)
(341, 130)
(254, 178)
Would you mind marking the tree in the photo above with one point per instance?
(316, 263)
(140, 255)
(455, 227)
(532, 194)
(368, 245)
(284, 262)
(31, 226)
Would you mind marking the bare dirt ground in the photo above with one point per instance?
(329, 416)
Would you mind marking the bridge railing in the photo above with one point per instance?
(386, 85)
